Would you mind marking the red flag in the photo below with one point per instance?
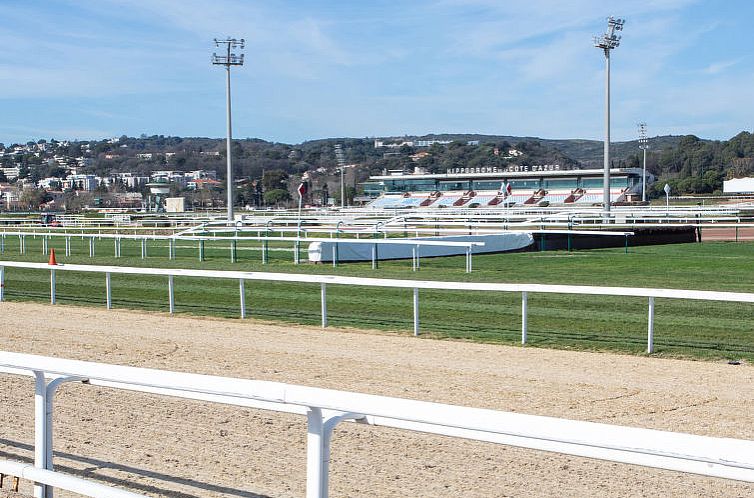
(508, 189)
(302, 189)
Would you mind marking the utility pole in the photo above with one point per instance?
(342, 165)
(608, 42)
(644, 145)
(228, 59)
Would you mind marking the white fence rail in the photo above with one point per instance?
(171, 241)
(50, 479)
(325, 408)
(524, 289)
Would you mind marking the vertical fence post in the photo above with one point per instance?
(468, 259)
(242, 292)
(52, 287)
(265, 256)
(108, 291)
(2, 284)
(651, 326)
(201, 250)
(143, 248)
(91, 246)
(413, 258)
(67, 246)
(323, 294)
(232, 251)
(374, 256)
(2, 244)
(171, 294)
(315, 454)
(22, 245)
(40, 429)
(524, 316)
(416, 311)
(44, 244)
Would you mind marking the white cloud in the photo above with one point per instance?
(720, 66)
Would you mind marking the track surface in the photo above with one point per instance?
(166, 447)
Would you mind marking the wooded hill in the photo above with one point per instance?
(689, 164)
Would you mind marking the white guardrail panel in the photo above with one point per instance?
(712, 456)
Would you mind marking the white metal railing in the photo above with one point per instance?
(324, 280)
(233, 241)
(325, 408)
(49, 479)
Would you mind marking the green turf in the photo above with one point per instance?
(685, 328)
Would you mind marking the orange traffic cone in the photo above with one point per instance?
(52, 258)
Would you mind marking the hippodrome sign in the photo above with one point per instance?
(514, 168)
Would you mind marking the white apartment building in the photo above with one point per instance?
(132, 180)
(10, 173)
(177, 177)
(87, 183)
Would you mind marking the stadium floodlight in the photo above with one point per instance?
(607, 42)
(644, 145)
(228, 59)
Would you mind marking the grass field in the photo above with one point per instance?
(687, 328)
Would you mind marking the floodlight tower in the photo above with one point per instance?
(342, 165)
(644, 145)
(228, 59)
(608, 42)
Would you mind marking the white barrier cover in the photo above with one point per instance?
(320, 252)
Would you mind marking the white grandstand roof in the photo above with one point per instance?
(510, 174)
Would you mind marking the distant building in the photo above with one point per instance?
(51, 183)
(177, 177)
(395, 143)
(132, 181)
(201, 174)
(86, 183)
(11, 173)
(203, 184)
(9, 196)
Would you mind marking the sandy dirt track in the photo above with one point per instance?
(728, 233)
(166, 447)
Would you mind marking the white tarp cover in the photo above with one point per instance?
(350, 251)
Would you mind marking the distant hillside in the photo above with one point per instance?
(688, 163)
(590, 152)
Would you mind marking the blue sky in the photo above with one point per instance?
(315, 69)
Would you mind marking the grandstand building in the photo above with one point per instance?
(534, 185)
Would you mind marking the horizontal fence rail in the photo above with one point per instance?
(171, 240)
(52, 479)
(325, 408)
(524, 289)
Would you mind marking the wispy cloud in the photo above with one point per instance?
(720, 66)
